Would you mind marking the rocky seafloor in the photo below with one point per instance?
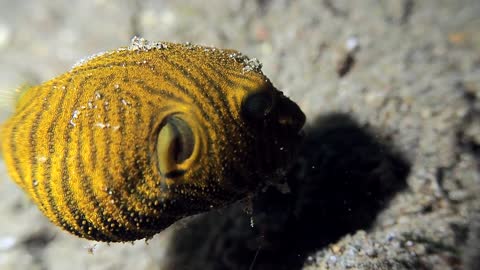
(389, 175)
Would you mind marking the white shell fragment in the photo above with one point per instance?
(141, 44)
(86, 59)
(252, 64)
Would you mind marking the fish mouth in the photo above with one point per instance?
(300, 136)
(283, 135)
(277, 151)
(276, 138)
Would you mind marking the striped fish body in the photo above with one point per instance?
(88, 146)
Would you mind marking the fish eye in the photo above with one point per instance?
(175, 145)
(257, 105)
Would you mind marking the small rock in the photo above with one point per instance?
(7, 243)
(5, 36)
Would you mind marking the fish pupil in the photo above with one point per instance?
(257, 105)
(184, 142)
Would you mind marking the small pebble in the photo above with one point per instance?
(332, 259)
(7, 242)
(5, 36)
(370, 252)
(458, 195)
(352, 44)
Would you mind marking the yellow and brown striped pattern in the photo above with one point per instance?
(83, 145)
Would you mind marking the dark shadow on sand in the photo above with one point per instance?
(342, 179)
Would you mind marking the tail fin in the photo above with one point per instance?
(10, 98)
(8, 102)
(1, 144)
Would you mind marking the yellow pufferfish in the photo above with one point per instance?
(131, 140)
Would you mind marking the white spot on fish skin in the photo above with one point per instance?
(102, 125)
(124, 102)
(98, 95)
(238, 57)
(75, 115)
(41, 159)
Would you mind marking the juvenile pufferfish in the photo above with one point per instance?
(131, 140)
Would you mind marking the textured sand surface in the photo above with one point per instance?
(389, 177)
